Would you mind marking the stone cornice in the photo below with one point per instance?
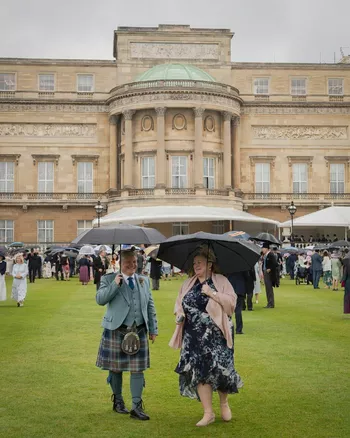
(60, 62)
(254, 108)
(287, 66)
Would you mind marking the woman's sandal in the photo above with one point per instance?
(207, 419)
(226, 413)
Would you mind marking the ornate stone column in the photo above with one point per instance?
(128, 155)
(112, 152)
(161, 159)
(198, 147)
(236, 153)
(227, 149)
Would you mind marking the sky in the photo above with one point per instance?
(265, 30)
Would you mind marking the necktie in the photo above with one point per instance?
(131, 283)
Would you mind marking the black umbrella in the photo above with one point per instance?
(267, 237)
(123, 233)
(340, 244)
(232, 255)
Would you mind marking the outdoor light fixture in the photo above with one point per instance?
(292, 210)
(99, 208)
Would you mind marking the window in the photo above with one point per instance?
(85, 83)
(7, 82)
(85, 177)
(45, 177)
(218, 227)
(209, 173)
(7, 176)
(300, 178)
(262, 178)
(298, 87)
(180, 228)
(83, 225)
(6, 231)
(46, 82)
(147, 173)
(337, 178)
(179, 172)
(261, 86)
(45, 231)
(335, 87)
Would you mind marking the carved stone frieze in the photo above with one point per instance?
(160, 110)
(10, 157)
(155, 50)
(198, 112)
(49, 107)
(300, 132)
(285, 110)
(227, 116)
(128, 114)
(47, 130)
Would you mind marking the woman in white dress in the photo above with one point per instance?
(47, 270)
(2, 277)
(19, 285)
(257, 284)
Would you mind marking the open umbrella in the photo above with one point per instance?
(123, 233)
(340, 244)
(238, 235)
(266, 237)
(86, 250)
(16, 245)
(107, 248)
(232, 255)
(152, 251)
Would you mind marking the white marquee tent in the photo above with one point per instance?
(178, 213)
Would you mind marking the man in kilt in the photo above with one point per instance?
(129, 305)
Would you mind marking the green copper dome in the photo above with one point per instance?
(164, 72)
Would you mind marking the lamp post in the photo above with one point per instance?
(292, 210)
(99, 209)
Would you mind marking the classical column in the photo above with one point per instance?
(236, 153)
(227, 149)
(128, 152)
(161, 159)
(198, 147)
(112, 152)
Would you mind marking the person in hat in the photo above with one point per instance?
(101, 264)
(2, 277)
(269, 271)
(129, 320)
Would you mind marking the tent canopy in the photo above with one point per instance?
(179, 213)
(328, 217)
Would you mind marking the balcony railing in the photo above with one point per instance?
(180, 192)
(217, 192)
(141, 192)
(39, 196)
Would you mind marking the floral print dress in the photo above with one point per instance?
(205, 357)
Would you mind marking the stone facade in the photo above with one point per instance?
(117, 122)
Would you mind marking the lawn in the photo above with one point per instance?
(294, 359)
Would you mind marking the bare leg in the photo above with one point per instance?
(206, 395)
(226, 413)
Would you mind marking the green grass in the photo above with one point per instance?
(295, 362)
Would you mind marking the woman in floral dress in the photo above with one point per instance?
(204, 332)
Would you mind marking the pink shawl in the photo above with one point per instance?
(219, 307)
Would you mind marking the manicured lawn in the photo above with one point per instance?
(294, 359)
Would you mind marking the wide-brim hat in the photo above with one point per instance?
(266, 245)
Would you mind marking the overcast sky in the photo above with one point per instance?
(265, 30)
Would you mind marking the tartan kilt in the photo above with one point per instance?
(111, 357)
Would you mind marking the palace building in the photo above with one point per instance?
(171, 121)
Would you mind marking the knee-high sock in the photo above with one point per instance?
(136, 387)
(116, 382)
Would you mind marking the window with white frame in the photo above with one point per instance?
(300, 177)
(261, 86)
(218, 227)
(6, 231)
(45, 177)
(262, 178)
(7, 176)
(180, 228)
(45, 231)
(148, 172)
(85, 177)
(179, 172)
(298, 87)
(337, 177)
(85, 83)
(209, 173)
(7, 82)
(83, 225)
(47, 82)
(335, 87)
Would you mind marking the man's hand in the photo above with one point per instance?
(118, 279)
(152, 338)
(268, 270)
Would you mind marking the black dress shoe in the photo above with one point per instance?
(119, 406)
(268, 307)
(239, 333)
(138, 413)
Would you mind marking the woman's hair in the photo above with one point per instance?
(325, 254)
(19, 256)
(114, 254)
(208, 254)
